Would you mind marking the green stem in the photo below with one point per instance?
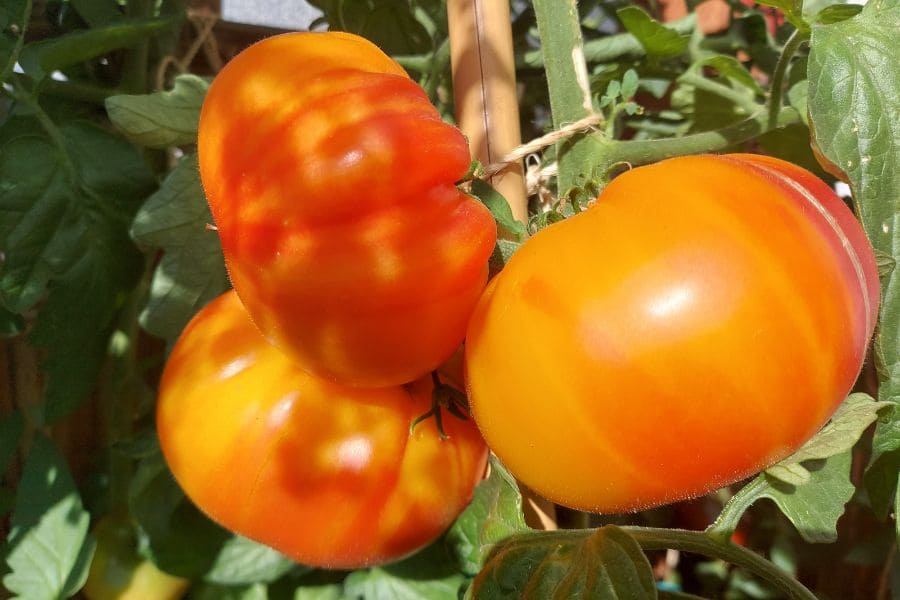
(22, 96)
(727, 521)
(421, 63)
(740, 100)
(651, 538)
(67, 89)
(440, 60)
(118, 402)
(20, 42)
(776, 90)
(640, 152)
(135, 71)
(561, 46)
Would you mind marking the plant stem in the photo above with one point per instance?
(135, 70)
(639, 152)
(23, 96)
(570, 99)
(731, 514)
(740, 100)
(694, 541)
(776, 90)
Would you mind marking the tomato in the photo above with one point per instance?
(329, 475)
(696, 324)
(117, 572)
(331, 181)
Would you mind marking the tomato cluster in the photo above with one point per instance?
(285, 408)
(696, 324)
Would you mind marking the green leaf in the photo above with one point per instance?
(499, 207)
(607, 564)
(12, 426)
(629, 84)
(792, 9)
(658, 40)
(854, 415)
(836, 13)
(854, 99)
(49, 546)
(161, 119)
(503, 251)
(392, 26)
(42, 57)
(241, 562)
(731, 68)
(884, 464)
(97, 13)
(813, 507)
(66, 208)
(211, 591)
(429, 573)
(494, 514)
(192, 270)
(798, 97)
(11, 324)
(317, 584)
(176, 536)
(791, 143)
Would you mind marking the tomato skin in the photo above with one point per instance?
(696, 324)
(117, 572)
(331, 181)
(328, 475)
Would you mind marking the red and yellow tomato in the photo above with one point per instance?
(331, 179)
(329, 475)
(696, 324)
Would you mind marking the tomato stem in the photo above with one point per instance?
(562, 52)
(641, 152)
(776, 90)
(443, 396)
(651, 538)
(727, 521)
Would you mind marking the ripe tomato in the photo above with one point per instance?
(330, 476)
(117, 572)
(331, 180)
(699, 322)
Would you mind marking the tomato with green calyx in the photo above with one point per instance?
(329, 475)
(696, 324)
(331, 179)
(117, 572)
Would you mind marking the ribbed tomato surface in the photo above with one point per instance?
(329, 475)
(331, 180)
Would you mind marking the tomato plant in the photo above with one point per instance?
(657, 333)
(332, 177)
(331, 180)
(329, 475)
(118, 573)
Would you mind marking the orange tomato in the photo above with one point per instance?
(331, 179)
(696, 324)
(329, 475)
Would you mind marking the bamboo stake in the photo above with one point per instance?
(484, 90)
(487, 112)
